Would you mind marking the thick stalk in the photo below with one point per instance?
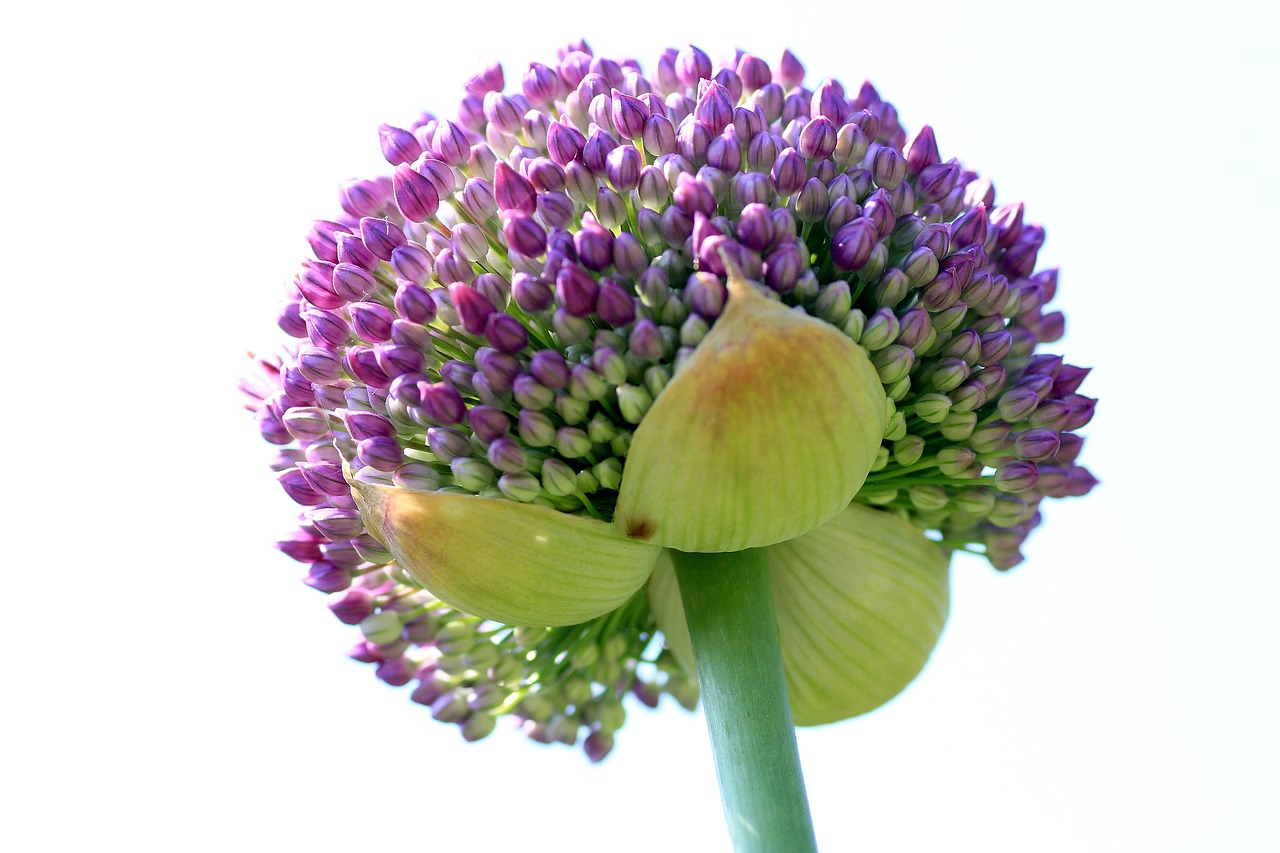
(729, 607)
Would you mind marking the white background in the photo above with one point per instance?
(169, 683)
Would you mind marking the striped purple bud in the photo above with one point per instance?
(789, 172)
(851, 246)
(692, 65)
(512, 191)
(415, 195)
(541, 84)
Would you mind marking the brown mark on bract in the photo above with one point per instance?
(640, 528)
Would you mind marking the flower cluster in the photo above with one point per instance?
(498, 317)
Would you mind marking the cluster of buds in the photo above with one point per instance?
(500, 316)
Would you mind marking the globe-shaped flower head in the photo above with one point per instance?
(595, 316)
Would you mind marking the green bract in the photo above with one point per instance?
(761, 439)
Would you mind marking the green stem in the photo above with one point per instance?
(729, 607)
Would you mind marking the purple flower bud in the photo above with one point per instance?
(693, 139)
(506, 333)
(541, 84)
(501, 111)
(576, 290)
(591, 87)
(325, 329)
(353, 606)
(762, 152)
(448, 444)
(1069, 448)
(795, 110)
(615, 305)
(315, 283)
(646, 340)
(488, 423)
(298, 489)
(888, 168)
(411, 263)
(818, 138)
(1035, 445)
(1050, 327)
(748, 121)
(371, 322)
(629, 257)
(971, 228)
(1020, 258)
(936, 181)
(941, 294)
(714, 108)
(439, 173)
(595, 151)
(380, 453)
(352, 283)
(753, 72)
(472, 307)
(441, 403)
(783, 268)
(319, 365)
(922, 152)
(728, 78)
(692, 196)
(450, 144)
(491, 79)
(513, 191)
(452, 267)
(415, 195)
(659, 135)
(322, 239)
(530, 294)
(692, 65)
(549, 368)
(628, 115)
(363, 425)
(524, 235)
(289, 319)
(725, 152)
(544, 174)
(814, 202)
(324, 477)
(789, 172)
(327, 577)
(398, 145)
(352, 250)
(1080, 411)
(755, 228)
(337, 524)
(1006, 220)
(622, 167)
(363, 198)
(706, 295)
(555, 209)
(790, 72)
(1016, 476)
(381, 237)
(828, 101)
(851, 246)
(1017, 404)
(564, 143)
(574, 66)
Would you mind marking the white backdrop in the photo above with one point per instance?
(172, 686)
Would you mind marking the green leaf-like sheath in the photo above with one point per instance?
(860, 604)
(765, 433)
(511, 562)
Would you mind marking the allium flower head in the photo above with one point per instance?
(595, 315)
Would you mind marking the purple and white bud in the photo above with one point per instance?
(789, 172)
(415, 195)
(851, 245)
